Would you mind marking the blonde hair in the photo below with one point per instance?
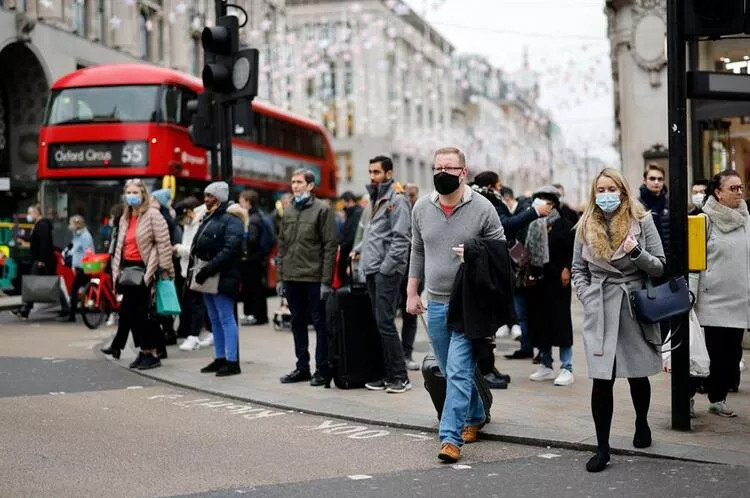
(452, 150)
(77, 222)
(145, 198)
(594, 215)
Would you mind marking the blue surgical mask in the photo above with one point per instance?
(608, 201)
(133, 199)
(29, 218)
(300, 199)
(538, 202)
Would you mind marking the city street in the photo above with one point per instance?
(75, 424)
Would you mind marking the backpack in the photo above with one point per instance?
(267, 235)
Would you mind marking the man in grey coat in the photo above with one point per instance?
(384, 258)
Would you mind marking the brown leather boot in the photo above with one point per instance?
(449, 453)
(471, 433)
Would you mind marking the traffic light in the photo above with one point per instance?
(229, 71)
(202, 121)
(714, 18)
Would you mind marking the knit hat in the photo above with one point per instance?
(548, 192)
(162, 195)
(220, 190)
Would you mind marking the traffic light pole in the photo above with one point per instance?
(678, 257)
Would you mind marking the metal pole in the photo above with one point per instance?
(677, 261)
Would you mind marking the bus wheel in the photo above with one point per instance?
(92, 315)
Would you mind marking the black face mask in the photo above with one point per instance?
(445, 183)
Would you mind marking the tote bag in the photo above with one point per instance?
(167, 302)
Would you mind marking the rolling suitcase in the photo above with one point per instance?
(355, 350)
(434, 382)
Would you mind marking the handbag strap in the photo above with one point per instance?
(671, 335)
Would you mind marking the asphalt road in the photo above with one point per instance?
(74, 424)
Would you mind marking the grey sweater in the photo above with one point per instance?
(434, 235)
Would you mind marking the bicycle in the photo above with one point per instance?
(98, 299)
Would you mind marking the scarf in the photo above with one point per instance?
(725, 218)
(606, 236)
(537, 239)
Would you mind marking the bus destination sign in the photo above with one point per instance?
(98, 154)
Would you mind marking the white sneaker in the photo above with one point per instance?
(543, 373)
(248, 320)
(207, 341)
(111, 320)
(503, 331)
(515, 331)
(192, 343)
(722, 409)
(564, 378)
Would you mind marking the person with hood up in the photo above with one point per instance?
(217, 244)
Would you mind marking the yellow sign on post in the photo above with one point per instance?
(696, 231)
(170, 182)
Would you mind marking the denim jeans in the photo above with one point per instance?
(383, 291)
(566, 357)
(220, 311)
(304, 304)
(519, 303)
(455, 357)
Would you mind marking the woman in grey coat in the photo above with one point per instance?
(616, 249)
(723, 290)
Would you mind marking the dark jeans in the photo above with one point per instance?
(725, 351)
(304, 303)
(192, 315)
(253, 291)
(79, 281)
(520, 306)
(383, 291)
(409, 321)
(45, 270)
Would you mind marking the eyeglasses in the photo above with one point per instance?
(736, 188)
(449, 169)
(655, 179)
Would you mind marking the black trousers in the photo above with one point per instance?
(253, 291)
(193, 314)
(409, 321)
(79, 281)
(137, 316)
(383, 291)
(725, 352)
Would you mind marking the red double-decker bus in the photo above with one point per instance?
(105, 124)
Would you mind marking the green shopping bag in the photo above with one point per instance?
(167, 302)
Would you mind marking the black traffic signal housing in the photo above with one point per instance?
(714, 18)
(202, 131)
(229, 71)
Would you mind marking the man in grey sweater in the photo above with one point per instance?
(441, 223)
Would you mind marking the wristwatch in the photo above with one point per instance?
(636, 252)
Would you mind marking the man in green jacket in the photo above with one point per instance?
(307, 252)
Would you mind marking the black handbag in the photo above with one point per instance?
(656, 303)
(132, 276)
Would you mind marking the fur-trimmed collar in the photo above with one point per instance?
(606, 238)
(725, 218)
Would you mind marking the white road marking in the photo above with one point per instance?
(134, 387)
(549, 456)
(459, 466)
(359, 477)
(418, 437)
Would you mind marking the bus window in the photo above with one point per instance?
(187, 96)
(105, 104)
(171, 107)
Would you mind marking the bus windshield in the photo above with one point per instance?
(104, 104)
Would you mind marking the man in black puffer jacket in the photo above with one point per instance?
(216, 250)
(654, 197)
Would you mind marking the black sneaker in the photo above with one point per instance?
(378, 385)
(519, 355)
(398, 386)
(317, 379)
(214, 366)
(296, 375)
(137, 361)
(229, 368)
(495, 382)
(148, 362)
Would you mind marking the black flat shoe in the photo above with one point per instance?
(114, 353)
(598, 462)
(519, 355)
(317, 380)
(495, 382)
(148, 362)
(214, 366)
(137, 361)
(642, 438)
(229, 368)
(296, 375)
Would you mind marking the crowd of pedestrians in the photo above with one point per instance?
(472, 257)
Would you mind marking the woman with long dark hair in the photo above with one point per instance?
(617, 248)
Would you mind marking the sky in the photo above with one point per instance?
(567, 45)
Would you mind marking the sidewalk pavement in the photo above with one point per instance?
(537, 413)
